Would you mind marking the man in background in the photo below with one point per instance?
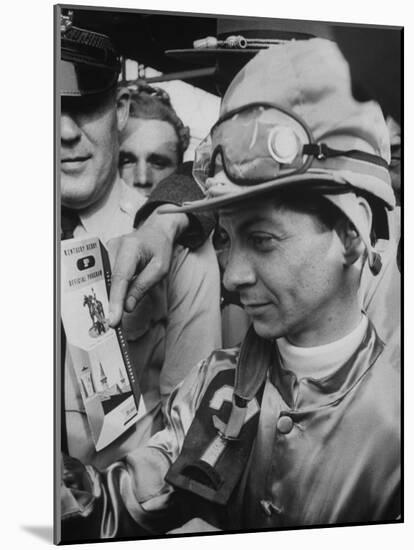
(154, 140)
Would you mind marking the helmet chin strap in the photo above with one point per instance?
(216, 450)
(255, 357)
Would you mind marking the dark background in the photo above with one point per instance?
(374, 52)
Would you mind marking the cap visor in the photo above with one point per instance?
(77, 79)
(321, 181)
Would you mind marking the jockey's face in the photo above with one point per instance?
(288, 269)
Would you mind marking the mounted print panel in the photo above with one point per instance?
(229, 197)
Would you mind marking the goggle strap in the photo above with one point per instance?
(322, 151)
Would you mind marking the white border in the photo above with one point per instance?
(27, 280)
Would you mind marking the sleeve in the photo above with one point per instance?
(131, 498)
(194, 321)
(176, 189)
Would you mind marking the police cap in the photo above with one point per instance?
(89, 63)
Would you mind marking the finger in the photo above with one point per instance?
(127, 261)
(130, 304)
(119, 288)
(152, 274)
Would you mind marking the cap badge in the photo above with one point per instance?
(66, 21)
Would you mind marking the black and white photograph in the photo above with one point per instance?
(228, 287)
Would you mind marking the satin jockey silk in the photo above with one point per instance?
(219, 441)
(331, 454)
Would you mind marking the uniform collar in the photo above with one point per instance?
(120, 196)
(95, 217)
(322, 360)
(309, 393)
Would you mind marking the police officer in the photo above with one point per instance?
(163, 333)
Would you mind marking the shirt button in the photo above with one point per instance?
(284, 424)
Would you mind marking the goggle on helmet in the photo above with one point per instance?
(262, 142)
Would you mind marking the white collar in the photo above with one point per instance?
(320, 361)
(120, 196)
